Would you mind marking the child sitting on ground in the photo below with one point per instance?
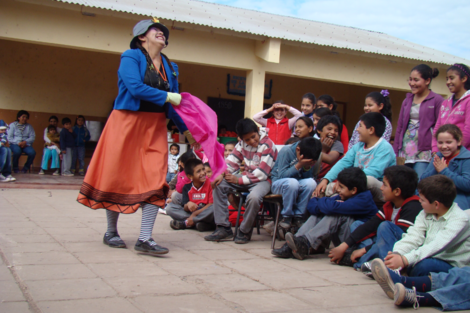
(67, 143)
(331, 218)
(196, 207)
(51, 151)
(328, 130)
(172, 162)
(438, 241)
(373, 154)
(259, 154)
(292, 177)
(453, 161)
(208, 170)
(182, 179)
(394, 219)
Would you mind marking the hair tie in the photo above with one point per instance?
(462, 69)
(384, 93)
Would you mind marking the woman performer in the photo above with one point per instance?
(128, 168)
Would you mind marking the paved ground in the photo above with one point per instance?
(52, 260)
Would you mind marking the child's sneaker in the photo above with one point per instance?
(177, 225)
(72, 171)
(242, 237)
(41, 172)
(162, 211)
(56, 173)
(406, 297)
(220, 233)
(81, 172)
(2, 178)
(299, 245)
(67, 174)
(283, 252)
(10, 178)
(382, 276)
(202, 226)
(366, 269)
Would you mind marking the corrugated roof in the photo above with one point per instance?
(275, 26)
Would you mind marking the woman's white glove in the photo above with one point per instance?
(173, 98)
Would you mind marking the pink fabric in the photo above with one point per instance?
(181, 181)
(202, 124)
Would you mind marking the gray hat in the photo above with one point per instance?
(143, 26)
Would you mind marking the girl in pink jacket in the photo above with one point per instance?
(456, 109)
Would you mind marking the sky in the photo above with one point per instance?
(438, 24)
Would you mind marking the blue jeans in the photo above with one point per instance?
(78, 153)
(170, 176)
(48, 154)
(366, 242)
(387, 235)
(427, 266)
(295, 195)
(419, 167)
(452, 289)
(16, 150)
(5, 161)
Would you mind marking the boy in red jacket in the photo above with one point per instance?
(397, 214)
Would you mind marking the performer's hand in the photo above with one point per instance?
(217, 181)
(195, 146)
(173, 98)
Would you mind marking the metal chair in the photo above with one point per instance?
(263, 214)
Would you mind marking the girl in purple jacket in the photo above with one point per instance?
(418, 116)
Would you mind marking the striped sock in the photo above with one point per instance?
(149, 214)
(112, 221)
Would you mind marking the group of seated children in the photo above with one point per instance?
(365, 204)
(67, 145)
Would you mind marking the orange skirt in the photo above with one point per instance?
(129, 165)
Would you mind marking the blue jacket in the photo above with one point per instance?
(360, 207)
(67, 139)
(459, 171)
(372, 161)
(15, 136)
(284, 167)
(132, 89)
(83, 135)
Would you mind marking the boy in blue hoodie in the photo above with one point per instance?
(331, 218)
(372, 154)
(293, 178)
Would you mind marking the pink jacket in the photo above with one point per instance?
(458, 115)
(201, 121)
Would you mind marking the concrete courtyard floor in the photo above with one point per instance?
(53, 260)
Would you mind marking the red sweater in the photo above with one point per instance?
(278, 132)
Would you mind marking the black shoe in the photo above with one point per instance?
(299, 246)
(283, 252)
(346, 260)
(242, 238)
(25, 170)
(220, 233)
(150, 246)
(202, 226)
(177, 225)
(298, 221)
(113, 240)
(286, 222)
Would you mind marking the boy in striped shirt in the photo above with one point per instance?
(259, 154)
